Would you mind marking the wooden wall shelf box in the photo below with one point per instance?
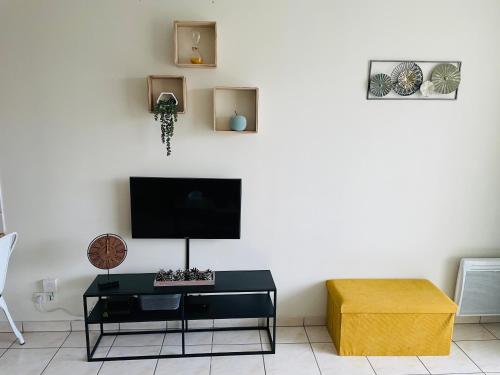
(245, 100)
(183, 42)
(175, 84)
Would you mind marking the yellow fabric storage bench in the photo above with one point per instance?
(389, 317)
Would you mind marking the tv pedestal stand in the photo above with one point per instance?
(235, 295)
(187, 253)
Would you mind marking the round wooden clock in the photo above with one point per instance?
(105, 252)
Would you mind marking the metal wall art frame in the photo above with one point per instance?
(412, 80)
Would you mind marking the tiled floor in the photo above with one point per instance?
(307, 351)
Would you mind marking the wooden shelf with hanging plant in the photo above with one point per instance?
(167, 98)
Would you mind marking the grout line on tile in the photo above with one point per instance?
(102, 362)
(49, 362)
(211, 350)
(66, 339)
(423, 364)
(112, 344)
(463, 351)
(137, 346)
(486, 328)
(57, 351)
(373, 368)
(262, 355)
(312, 350)
(12, 343)
(106, 355)
(161, 347)
(44, 347)
(69, 331)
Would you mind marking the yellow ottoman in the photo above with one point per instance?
(389, 317)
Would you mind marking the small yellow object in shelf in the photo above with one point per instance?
(196, 60)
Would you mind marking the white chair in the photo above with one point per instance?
(7, 244)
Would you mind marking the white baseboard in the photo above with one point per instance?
(490, 319)
(78, 325)
(47, 326)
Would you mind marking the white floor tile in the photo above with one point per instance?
(6, 340)
(494, 328)
(485, 354)
(318, 334)
(74, 361)
(135, 367)
(42, 340)
(25, 361)
(291, 359)
(236, 348)
(191, 338)
(139, 340)
(331, 363)
(456, 362)
(77, 340)
(291, 335)
(241, 365)
(236, 337)
(389, 365)
(183, 366)
(189, 349)
(130, 351)
(471, 332)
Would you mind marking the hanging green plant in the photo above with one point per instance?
(165, 110)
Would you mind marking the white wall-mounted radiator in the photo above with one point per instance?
(478, 287)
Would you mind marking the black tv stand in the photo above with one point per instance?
(235, 295)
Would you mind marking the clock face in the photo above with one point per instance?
(107, 251)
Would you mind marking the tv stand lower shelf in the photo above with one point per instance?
(236, 295)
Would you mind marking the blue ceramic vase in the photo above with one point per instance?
(238, 122)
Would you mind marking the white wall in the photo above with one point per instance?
(334, 185)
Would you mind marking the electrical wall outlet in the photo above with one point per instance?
(49, 285)
(39, 297)
(43, 297)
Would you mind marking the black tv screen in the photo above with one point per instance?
(185, 207)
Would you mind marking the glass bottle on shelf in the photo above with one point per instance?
(195, 55)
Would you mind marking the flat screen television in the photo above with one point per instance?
(185, 207)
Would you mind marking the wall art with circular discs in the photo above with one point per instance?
(413, 80)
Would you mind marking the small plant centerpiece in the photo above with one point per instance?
(180, 277)
(165, 110)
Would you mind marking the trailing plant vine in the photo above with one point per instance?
(166, 112)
